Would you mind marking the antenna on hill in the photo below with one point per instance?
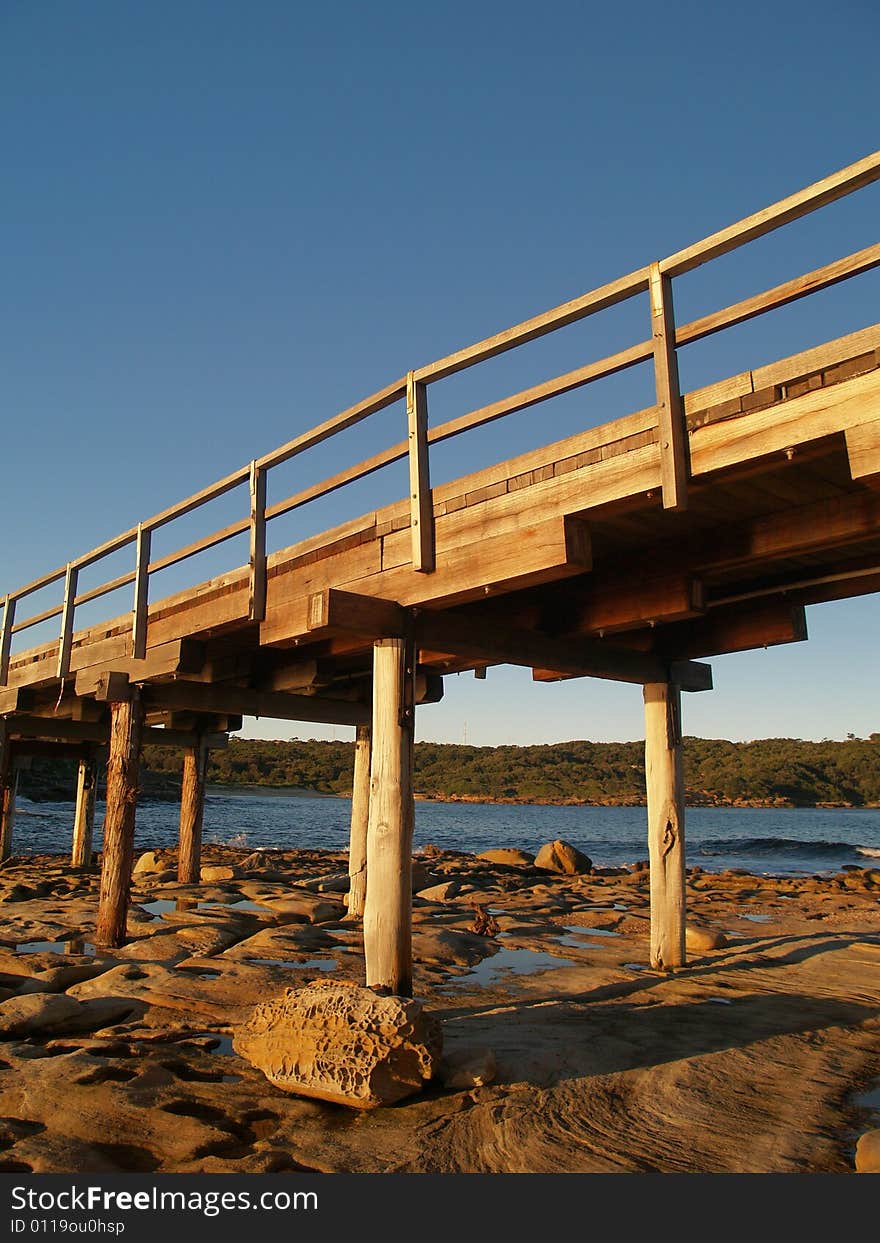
(464, 734)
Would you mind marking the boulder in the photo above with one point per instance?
(150, 861)
(560, 856)
(868, 1153)
(440, 893)
(301, 905)
(215, 872)
(509, 856)
(700, 939)
(468, 1068)
(342, 1043)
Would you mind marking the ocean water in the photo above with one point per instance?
(781, 841)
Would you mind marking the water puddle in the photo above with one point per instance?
(242, 904)
(311, 964)
(757, 919)
(637, 966)
(160, 906)
(76, 945)
(519, 962)
(720, 1001)
(870, 1100)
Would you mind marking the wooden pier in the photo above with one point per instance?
(632, 551)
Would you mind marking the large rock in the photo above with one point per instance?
(868, 1153)
(342, 1043)
(562, 857)
(509, 856)
(53, 1014)
(150, 861)
(700, 939)
(212, 872)
(440, 893)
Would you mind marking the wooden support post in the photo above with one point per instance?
(665, 782)
(141, 593)
(388, 908)
(192, 809)
(421, 504)
(670, 410)
(6, 637)
(64, 643)
(84, 816)
(126, 724)
(360, 812)
(8, 784)
(257, 591)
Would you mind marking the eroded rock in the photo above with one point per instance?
(700, 939)
(42, 1014)
(342, 1043)
(868, 1153)
(561, 856)
(508, 856)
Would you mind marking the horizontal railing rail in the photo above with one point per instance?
(661, 346)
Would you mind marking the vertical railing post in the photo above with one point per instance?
(141, 592)
(257, 590)
(6, 637)
(64, 643)
(670, 409)
(421, 504)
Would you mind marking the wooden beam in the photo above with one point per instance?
(733, 628)
(141, 592)
(67, 611)
(670, 411)
(257, 555)
(863, 450)
(16, 699)
(45, 729)
(84, 814)
(360, 814)
(192, 810)
(179, 656)
(126, 723)
(455, 632)
(199, 697)
(333, 611)
(420, 504)
(388, 908)
(6, 637)
(665, 787)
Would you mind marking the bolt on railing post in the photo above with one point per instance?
(6, 637)
(66, 640)
(257, 562)
(141, 592)
(672, 429)
(420, 502)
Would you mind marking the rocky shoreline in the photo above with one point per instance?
(562, 1050)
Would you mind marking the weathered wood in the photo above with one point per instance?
(734, 628)
(84, 814)
(141, 593)
(50, 729)
(257, 556)
(6, 637)
(388, 907)
(67, 611)
(665, 787)
(180, 656)
(8, 781)
(420, 504)
(228, 700)
(192, 810)
(670, 411)
(360, 813)
(334, 610)
(126, 723)
(863, 451)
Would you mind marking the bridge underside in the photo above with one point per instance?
(562, 560)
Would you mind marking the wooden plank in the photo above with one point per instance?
(126, 724)
(854, 177)
(113, 687)
(863, 450)
(360, 815)
(67, 612)
(6, 637)
(791, 423)
(199, 697)
(670, 411)
(780, 295)
(665, 788)
(530, 329)
(141, 593)
(257, 556)
(421, 506)
(818, 357)
(388, 906)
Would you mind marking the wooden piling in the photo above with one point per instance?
(665, 783)
(8, 785)
(388, 907)
(192, 808)
(126, 724)
(360, 812)
(84, 816)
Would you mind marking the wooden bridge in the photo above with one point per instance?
(701, 525)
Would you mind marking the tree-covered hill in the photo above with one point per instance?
(773, 771)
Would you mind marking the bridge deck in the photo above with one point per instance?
(781, 513)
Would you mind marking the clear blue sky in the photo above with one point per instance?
(223, 222)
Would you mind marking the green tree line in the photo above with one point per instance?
(772, 771)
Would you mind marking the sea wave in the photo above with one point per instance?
(775, 846)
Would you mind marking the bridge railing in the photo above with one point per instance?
(661, 345)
